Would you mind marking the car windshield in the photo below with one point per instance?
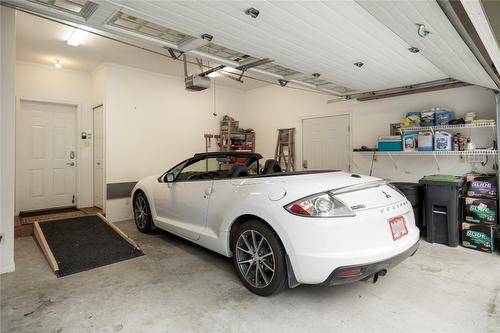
(215, 167)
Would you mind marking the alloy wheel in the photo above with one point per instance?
(140, 211)
(255, 258)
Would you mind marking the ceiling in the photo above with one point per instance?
(42, 41)
(312, 43)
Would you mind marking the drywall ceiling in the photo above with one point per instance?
(42, 41)
(303, 37)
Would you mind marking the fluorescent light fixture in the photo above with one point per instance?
(214, 74)
(57, 64)
(76, 37)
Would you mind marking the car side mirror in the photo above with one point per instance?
(169, 178)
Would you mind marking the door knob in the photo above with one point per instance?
(98, 163)
(71, 164)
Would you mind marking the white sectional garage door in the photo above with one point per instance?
(46, 155)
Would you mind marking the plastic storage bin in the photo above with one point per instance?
(414, 192)
(442, 208)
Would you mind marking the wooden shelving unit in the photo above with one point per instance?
(233, 139)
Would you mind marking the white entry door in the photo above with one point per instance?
(46, 158)
(98, 158)
(326, 143)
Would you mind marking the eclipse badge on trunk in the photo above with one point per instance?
(398, 227)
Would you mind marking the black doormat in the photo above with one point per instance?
(82, 243)
(48, 212)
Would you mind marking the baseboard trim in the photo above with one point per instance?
(8, 268)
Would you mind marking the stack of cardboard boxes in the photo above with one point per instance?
(480, 213)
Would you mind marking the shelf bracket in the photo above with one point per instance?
(436, 160)
(393, 161)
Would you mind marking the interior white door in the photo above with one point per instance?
(326, 143)
(46, 155)
(98, 157)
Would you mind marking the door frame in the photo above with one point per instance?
(78, 125)
(302, 119)
(104, 189)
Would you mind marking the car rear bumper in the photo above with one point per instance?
(349, 274)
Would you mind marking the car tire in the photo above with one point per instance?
(142, 213)
(263, 271)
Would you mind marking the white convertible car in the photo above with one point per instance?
(282, 229)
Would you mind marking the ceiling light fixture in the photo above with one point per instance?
(252, 12)
(57, 64)
(414, 49)
(207, 37)
(359, 64)
(76, 37)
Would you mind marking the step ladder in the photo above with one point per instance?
(285, 149)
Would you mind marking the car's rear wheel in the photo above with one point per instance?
(259, 258)
(142, 213)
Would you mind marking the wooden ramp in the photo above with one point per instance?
(81, 243)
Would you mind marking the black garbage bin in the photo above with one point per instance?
(414, 192)
(442, 195)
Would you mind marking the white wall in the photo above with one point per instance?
(7, 136)
(152, 123)
(271, 107)
(46, 83)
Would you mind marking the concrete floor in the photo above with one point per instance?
(180, 287)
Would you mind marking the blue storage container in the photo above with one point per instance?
(443, 141)
(390, 143)
(443, 117)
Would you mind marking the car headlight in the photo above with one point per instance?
(319, 205)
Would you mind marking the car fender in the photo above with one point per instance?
(263, 212)
(146, 186)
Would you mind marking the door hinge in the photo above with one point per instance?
(348, 128)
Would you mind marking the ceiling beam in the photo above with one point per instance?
(408, 90)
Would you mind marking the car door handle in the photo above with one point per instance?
(71, 164)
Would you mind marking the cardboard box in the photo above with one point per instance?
(480, 211)
(483, 187)
(478, 237)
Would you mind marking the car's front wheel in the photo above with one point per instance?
(259, 258)
(142, 213)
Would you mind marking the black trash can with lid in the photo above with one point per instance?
(414, 192)
(442, 208)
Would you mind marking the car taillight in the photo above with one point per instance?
(297, 209)
(349, 273)
(319, 205)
